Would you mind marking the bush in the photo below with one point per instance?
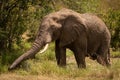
(112, 20)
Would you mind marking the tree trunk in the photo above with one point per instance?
(3, 45)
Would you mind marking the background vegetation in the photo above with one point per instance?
(20, 19)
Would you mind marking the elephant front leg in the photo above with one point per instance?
(80, 59)
(60, 53)
(80, 51)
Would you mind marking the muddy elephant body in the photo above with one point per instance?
(98, 36)
(92, 40)
(84, 34)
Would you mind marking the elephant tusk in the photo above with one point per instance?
(45, 48)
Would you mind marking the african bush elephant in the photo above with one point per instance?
(84, 34)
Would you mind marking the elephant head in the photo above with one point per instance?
(53, 27)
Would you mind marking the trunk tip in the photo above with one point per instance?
(10, 68)
(13, 66)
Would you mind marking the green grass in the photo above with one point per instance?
(44, 67)
(115, 54)
(48, 68)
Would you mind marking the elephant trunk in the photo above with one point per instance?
(37, 45)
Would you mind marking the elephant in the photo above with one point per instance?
(84, 34)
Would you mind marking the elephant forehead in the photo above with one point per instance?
(44, 21)
(56, 19)
(60, 15)
(54, 23)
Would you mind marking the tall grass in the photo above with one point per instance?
(115, 54)
(45, 65)
(94, 71)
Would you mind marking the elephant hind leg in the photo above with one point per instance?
(103, 61)
(103, 56)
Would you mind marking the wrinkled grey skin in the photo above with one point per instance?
(84, 34)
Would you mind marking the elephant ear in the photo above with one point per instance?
(72, 28)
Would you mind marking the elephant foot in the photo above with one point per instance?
(103, 61)
(81, 66)
(100, 60)
(62, 66)
(61, 63)
(108, 64)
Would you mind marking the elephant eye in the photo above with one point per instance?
(54, 19)
(52, 27)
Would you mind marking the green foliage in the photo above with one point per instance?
(18, 17)
(83, 6)
(112, 19)
(11, 22)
